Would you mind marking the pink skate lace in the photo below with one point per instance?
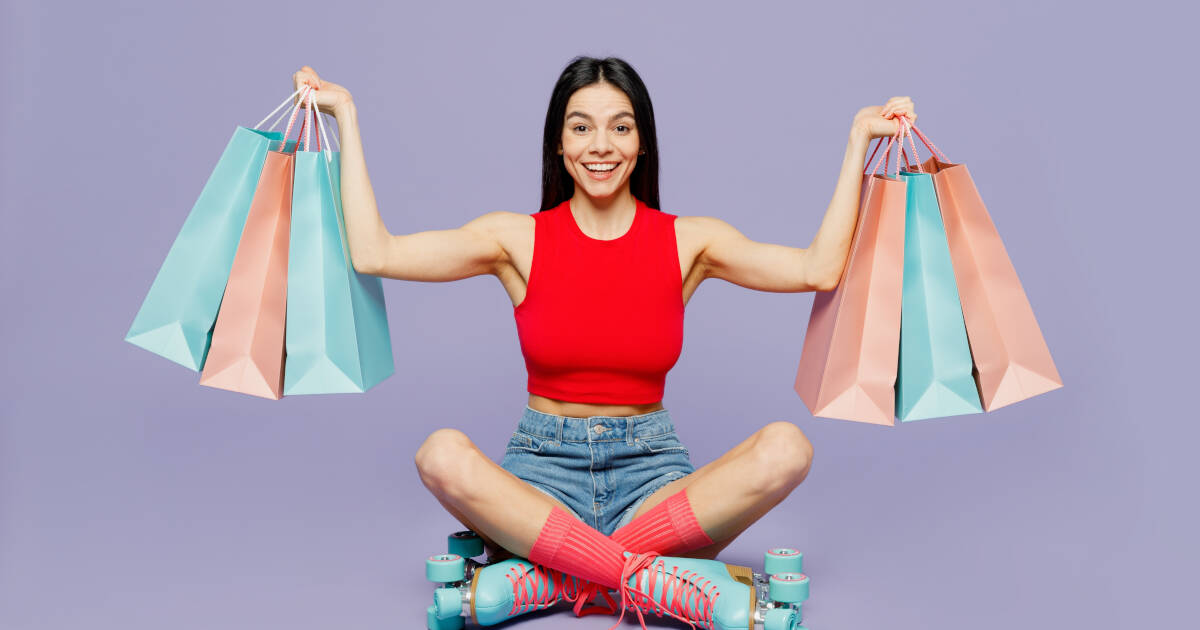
(685, 593)
(528, 594)
(682, 586)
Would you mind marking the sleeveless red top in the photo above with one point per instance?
(602, 320)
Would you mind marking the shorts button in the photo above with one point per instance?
(599, 428)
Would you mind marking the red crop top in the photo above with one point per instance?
(602, 320)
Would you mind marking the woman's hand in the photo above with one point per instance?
(881, 122)
(330, 96)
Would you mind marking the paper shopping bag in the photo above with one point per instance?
(337, 328)
(1012, 360)
(848, 362)
(934, 377)
(176, 318)
(248, 339)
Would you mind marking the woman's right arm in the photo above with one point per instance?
(430, 256)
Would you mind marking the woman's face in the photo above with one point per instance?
(600, 140)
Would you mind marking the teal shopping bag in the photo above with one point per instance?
(177, 316)
(934, 378)
(337, 329)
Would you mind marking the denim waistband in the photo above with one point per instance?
(596, 428)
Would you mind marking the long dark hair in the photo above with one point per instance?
(557, 185)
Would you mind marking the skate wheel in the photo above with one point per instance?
(433, 623)
(783, 560)
(789, 588)
(447, 567)
(466, 543)
(448, 602)
(780, 619)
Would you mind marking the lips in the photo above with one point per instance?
(600, 175)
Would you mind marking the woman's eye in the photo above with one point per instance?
(580, 128)
(620, 127)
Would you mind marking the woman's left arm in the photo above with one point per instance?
(729, 255)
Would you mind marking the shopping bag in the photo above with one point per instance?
(934, 378)
(848, 361)
(1012, 360)
(337, 329)
(248, 338)
(176, 317)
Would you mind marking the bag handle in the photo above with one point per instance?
(307, 102)
(281, 106)
(306, 130)
(941, 156)
(292, 119)
(326, 134)
(898, 139)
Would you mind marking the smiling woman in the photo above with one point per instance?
(599, 278)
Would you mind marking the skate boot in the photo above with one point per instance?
(490, 593)
(713, 595)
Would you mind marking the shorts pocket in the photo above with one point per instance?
(524, 442)
(665, 443)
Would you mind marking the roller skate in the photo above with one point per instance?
(490, 593)
(714, 595)
(700, 593)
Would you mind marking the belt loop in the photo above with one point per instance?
(629, 431)
(560, 422)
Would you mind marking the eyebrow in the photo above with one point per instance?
(586, 117)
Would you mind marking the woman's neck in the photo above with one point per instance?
(606, 218)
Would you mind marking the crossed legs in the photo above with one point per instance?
(727, 495)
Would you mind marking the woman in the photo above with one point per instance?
(594, 468)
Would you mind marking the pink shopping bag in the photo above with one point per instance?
(247, 353)
(1012, 360)
(848, 363)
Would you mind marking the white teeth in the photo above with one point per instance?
(600, 167)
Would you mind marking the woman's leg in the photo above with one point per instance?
(490, 501)
(513, 514)
(730, 493)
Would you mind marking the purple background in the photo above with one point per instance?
(131, 497)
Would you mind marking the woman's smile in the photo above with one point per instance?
(600, 171)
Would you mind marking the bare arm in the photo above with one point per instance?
(430, 256)
(729, 255)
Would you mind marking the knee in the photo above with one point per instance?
(441, 461)
(785, 456)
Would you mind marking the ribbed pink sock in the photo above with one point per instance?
(668, 528)
(568, 545)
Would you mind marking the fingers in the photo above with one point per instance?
(899, 105)
(306, 76)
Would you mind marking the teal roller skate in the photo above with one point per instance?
(491, 593)
(714, 595)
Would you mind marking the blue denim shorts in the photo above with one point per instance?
(602, 467)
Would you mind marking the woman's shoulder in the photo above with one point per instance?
(501, 221)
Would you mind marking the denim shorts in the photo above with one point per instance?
(601, 467)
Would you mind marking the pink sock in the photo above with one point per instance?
(570, 546)
(668, 528)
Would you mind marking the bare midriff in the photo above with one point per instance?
(585, 410)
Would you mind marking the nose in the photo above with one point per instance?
(600, 144)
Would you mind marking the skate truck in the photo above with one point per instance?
(707, 593)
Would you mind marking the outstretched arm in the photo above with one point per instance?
(430, 256)
(731, 256)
